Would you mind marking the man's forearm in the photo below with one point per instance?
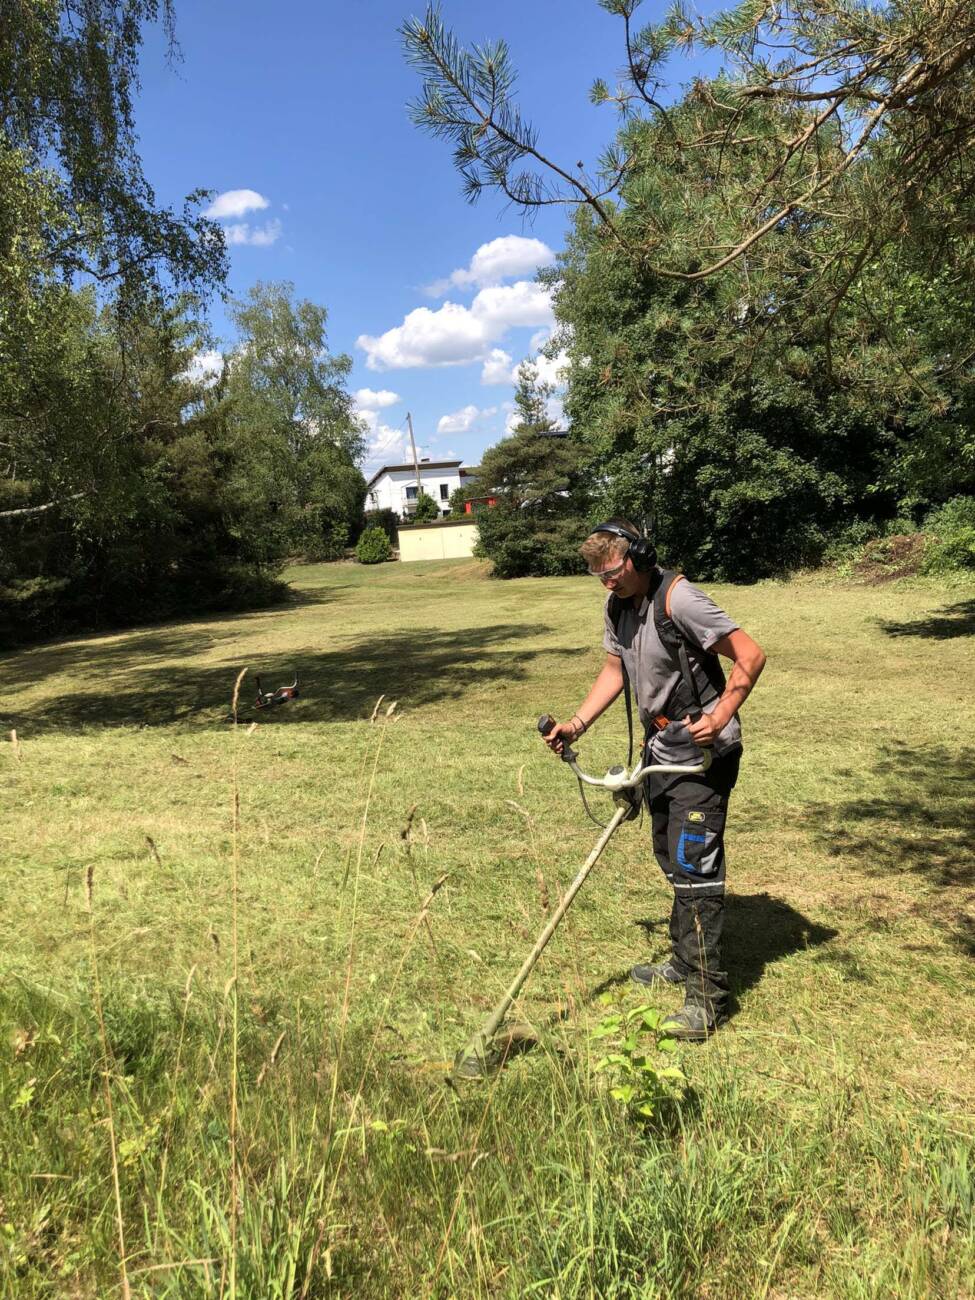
(605, 689)
(744, 674)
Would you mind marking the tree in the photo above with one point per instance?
(540, 518)
(830, 157)
(75, 209)
(156, 529)
(459, 498)
(767, 298)
(68, 79)
(426, 510)
(292, 427)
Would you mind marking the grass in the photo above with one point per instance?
(273, 1105)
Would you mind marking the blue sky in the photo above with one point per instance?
(295, 115)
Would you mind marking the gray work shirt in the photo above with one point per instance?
(654, 672)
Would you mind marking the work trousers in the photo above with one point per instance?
(687, 817)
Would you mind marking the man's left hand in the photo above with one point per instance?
(705, 731)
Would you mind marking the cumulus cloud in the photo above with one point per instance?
(369, 399)
(550, 370)
(241, 232)
(206, 367)
(386, 446)
(497, 367)
(234, 203)
(505, 258)
(454, 335)
(464, 419)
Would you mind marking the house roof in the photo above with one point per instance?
(424, 464)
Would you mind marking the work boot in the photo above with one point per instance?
(664, 972)
(691, 1024)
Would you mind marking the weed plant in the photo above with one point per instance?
(237, 960)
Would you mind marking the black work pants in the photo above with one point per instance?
(687, 816)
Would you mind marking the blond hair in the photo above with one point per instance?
(600, 548)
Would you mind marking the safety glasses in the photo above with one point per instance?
(608, 575)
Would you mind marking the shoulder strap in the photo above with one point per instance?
(676, 642)
(614, 608)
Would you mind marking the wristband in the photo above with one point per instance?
(583, 725)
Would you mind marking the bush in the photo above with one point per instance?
(951, 530)
(520, 545)
(387, 520)
(373, 547)
(426, 510)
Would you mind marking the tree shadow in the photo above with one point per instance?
(922, 823)
(130, 687)
(758, 930)
(944, 624)
(118, 651)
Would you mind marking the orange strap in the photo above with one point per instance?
(679, 578)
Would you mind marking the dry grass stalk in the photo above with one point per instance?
(16, 744)
(172, 1101)
(269, 1063)
(232, 985)
(106, 1074)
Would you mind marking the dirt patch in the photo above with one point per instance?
(887, 558)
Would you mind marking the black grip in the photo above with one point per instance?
(545, 724)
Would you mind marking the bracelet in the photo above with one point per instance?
(583, 725)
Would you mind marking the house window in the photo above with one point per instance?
(444, 491)
(411, 493)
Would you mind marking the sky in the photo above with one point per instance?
(295, 116)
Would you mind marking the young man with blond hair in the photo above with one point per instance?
(662, 638)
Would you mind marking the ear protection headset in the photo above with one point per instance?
(640, 550)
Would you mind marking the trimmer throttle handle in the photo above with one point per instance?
(545, 724)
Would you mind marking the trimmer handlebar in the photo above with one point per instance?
(617, 778)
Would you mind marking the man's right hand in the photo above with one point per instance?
(561, 734)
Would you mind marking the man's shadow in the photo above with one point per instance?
(758, 930)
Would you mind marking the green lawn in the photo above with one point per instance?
(823, 1146)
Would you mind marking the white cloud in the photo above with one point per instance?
(388, 446)
(234, 203)
(455, 335)
(550, 370)
(205, 368)
(241, 232)
(497, 367)
(368, 399)
(504, 258)
(464, 419)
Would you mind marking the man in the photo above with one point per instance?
(684, 705)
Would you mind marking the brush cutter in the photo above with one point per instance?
(487, 1051)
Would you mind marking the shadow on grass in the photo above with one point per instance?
(921, 823)
(109, 654)
(130, 687)
(943, 625)
(758, 931)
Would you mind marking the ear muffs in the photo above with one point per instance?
(640, 550)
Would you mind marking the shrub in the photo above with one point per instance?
(387, 520)
(373, 547)
(951, 530)
(426, 509)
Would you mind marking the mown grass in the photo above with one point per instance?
(824, 1144)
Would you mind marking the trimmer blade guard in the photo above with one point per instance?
(481, 1058)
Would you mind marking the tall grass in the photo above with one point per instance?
(226, 1070)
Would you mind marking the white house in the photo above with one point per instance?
(394, 486)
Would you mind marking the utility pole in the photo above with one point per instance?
(416, 463)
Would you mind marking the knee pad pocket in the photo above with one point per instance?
(700, 842)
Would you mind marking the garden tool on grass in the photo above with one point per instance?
(488, 1050)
